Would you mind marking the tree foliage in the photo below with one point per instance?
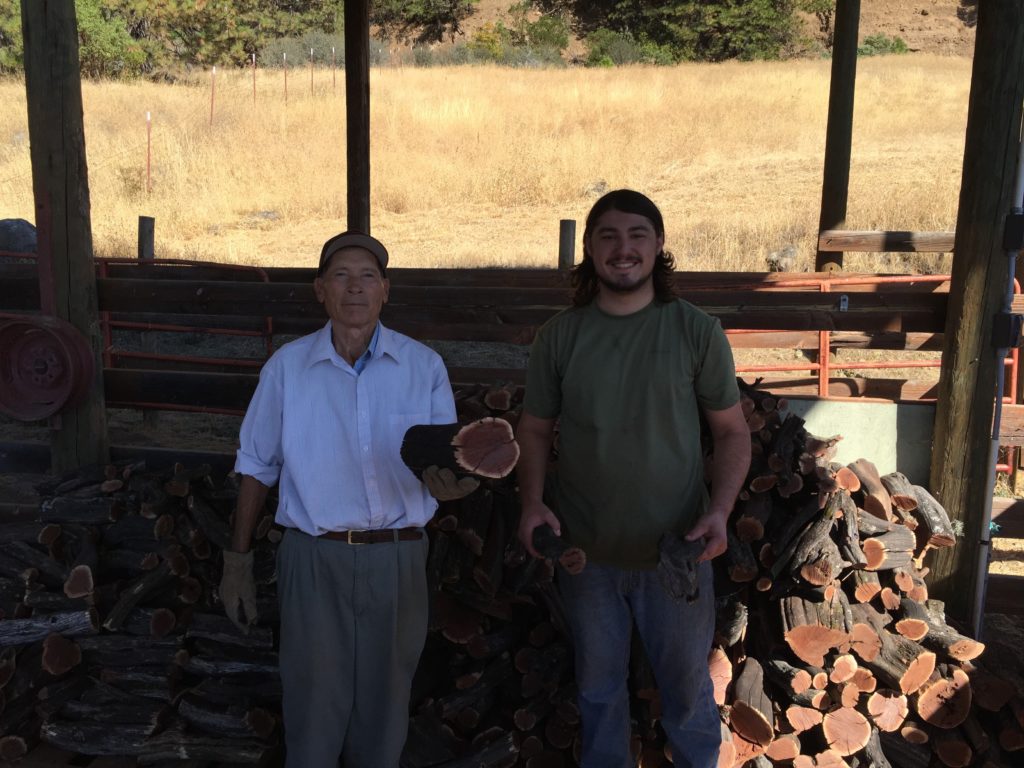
(128, 37)
(425, 21)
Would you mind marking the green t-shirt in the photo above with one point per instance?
(627, 391)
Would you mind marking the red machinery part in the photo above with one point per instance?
(45, 365)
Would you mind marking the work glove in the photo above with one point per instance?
(238, 589)
(444, 486)
(677, 566)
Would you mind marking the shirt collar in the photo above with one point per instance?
(382, 343)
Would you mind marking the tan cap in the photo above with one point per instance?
(354, 240)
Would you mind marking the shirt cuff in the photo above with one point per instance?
(246, 464)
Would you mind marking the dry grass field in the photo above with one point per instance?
(475, 166)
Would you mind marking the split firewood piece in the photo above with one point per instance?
(865, 585)
(727, 750)
(821, 447)
(848, 694)
(846, 730)
(751, 516)
(499, 398)
(485, 447)
(808, 544)
(1010, 733)
(740, 563)
(990, 692)
(60, 655)
(843, 668)
(731, 617)
(784, 748)
(952, 749)
(847, 534)
(864, 679)
(181, 482)
(751, 715)
(813, 629)
(677, 565)
(900, 492)
(746, 751)
(934, 521)
(876, 499)
(888, 709)
(79, 582)
(793, 679)
(892, 549)
(801, 718)
(912, 620)
(555, 548)
(720, 669)
(814, 698)
(900, 663)
(945, 702)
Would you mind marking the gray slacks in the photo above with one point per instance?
(353, 625)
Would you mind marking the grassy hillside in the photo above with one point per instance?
(475, 166)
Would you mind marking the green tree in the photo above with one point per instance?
(105, 49)
(708, 30)
(11, 45)
(426, 21)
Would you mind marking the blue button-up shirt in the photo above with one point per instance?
(331, 435)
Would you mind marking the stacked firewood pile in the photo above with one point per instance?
(828, 650)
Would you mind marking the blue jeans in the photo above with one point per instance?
(601, 604)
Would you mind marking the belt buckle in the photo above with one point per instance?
(349, 538)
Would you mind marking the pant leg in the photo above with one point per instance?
(317, 648)
(677, 636)
(391, 628)
(601, 625)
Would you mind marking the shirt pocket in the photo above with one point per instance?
(398, 425)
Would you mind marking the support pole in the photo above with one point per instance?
(61, 190)
(960, 476)
(566, 243)
(357, 112)
(835, 185)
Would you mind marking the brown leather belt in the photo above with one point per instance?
(379, 536)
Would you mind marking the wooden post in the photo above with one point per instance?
(357, 111)
(61, 190)
(835, 185)
(566, 243)
(147, 252)
(960, 475)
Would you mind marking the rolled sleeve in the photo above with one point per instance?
(260, 453)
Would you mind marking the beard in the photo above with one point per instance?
(627, 285)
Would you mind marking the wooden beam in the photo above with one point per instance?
(357, 112)
(61, 190)
(960, 476)
(835, 185)
(845, 240)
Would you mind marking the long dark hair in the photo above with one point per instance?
(585, 284)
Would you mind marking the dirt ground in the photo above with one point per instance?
(945, 27)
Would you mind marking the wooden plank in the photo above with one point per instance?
(34, 458)
(843, 240)
(1011, 425)
(1008, 514)
(61, 192)
(896, 390)
(220, 391)
(960, 476)
(780, 310)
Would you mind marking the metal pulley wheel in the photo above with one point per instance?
(45, 365)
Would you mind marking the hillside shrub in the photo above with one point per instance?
(607, 48)
(881, 45)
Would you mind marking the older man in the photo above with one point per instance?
(326, 424)
(628, 371)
